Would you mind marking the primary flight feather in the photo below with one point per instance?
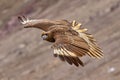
(70, 41)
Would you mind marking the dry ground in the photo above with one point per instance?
(24, 56)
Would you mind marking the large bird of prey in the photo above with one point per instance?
(70, 41)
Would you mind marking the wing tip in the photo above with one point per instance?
(67, 57)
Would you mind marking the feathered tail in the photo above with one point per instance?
(94, 50)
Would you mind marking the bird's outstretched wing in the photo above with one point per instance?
(69, 48)
(43, 24)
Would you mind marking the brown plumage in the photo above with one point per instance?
(70, 41)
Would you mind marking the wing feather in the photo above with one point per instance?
(76, 50)
(43, 24)
(72, 56)
(67, 57)
(60, 54)
(66, 54)
(94, 50)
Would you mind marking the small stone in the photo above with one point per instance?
(22, 46)
(112, 69)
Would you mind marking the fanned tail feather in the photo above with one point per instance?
(94, 50)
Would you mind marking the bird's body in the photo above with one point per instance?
(70, 41)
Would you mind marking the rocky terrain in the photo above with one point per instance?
(25, 56)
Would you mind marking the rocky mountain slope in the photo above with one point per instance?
(25, 56)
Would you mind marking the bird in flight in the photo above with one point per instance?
(70, 40)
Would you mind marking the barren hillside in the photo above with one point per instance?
(25, 56)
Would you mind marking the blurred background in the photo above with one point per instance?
(25, 56)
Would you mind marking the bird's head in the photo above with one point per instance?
(47, 36)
